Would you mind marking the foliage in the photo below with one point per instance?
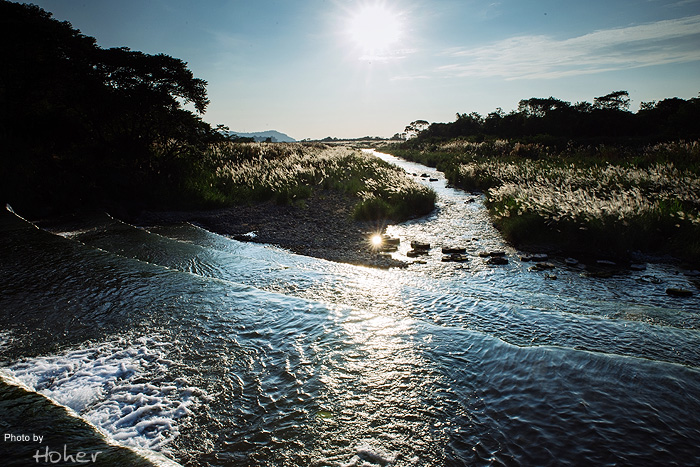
(556, 122)
(88, 126)
(288, 172)
(605, 199)
(84, 125)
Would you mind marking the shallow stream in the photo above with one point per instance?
(216, 352)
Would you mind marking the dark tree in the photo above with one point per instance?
(538, 107)
(81, 124)
(618, 100)
(414, 128)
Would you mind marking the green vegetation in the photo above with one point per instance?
(557, 123)
(584, 178)
(239, 173)
(605, 200)
(118, 129)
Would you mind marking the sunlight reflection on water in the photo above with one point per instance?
(308, 362)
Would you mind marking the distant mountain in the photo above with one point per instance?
(275, 136)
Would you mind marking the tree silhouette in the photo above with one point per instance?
(618, 100)
(82, 123)
(557, 122)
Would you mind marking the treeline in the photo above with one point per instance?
(81, 125)
(556, 122)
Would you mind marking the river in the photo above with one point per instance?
(211, 351)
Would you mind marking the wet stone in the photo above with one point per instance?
(497, 261)
(679, 292)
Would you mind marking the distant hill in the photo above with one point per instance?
(275, 136)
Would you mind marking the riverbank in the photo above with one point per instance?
(322, 227)
(581, 202)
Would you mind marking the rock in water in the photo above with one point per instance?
(497, 260)
(679, 292)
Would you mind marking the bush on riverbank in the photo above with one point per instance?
(242, 173)
(604, 200)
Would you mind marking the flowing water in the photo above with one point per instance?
(210, 351)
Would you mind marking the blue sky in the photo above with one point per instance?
(351, 68)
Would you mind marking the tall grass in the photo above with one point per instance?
(608, 200)
(290, 172)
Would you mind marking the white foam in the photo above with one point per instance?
(108, 386)
(368, 455)
(5, 339)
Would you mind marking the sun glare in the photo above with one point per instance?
(376, 240)
(374, 28)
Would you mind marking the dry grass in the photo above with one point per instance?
(288, 172)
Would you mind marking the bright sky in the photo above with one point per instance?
(350, 68)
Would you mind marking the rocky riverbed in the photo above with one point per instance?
(320, 226)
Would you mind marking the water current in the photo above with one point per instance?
(211, 351)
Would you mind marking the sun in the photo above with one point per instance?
(374, 28)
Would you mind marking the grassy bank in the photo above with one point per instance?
(244, 173)
(583, 200)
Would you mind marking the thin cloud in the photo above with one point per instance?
(530, 57)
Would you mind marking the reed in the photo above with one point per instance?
(289, 173)
(608, 200)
